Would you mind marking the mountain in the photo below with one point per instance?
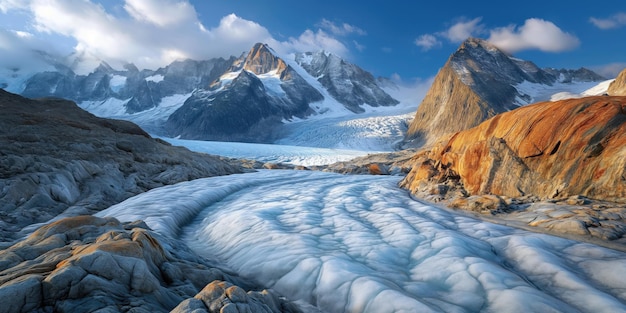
(264, 91)
(477, 82)
(618, 86)
(244, 98)
(549, 150)
(348, 83)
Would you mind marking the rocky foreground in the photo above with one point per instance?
(558, 166)
(58, 159)
(89, 264)
(60, 163)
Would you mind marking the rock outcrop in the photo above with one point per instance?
(618, 86)
(88, 264)
(56, 158)
(478, 82)
(549, 150)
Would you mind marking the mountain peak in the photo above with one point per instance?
(479, 81)
(262, 59)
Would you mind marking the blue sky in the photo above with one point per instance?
(401, 39)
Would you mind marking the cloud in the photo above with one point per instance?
(427, 42)
(161, 13)
(463, 30)
(312, 41)
(614, 21)
(358, 46)
(340, 30)
(7, 5)
(154, 33)
(534, 34)
(609, 70)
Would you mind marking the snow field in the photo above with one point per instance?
(360, 244)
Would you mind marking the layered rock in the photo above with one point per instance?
(86, 264)
(57, 158)
(478, 82)
(618, 86)
(550, 150)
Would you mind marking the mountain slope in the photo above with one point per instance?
(477, 82)
(346, 82)
(58, 158)
(618, 86)
(549, 149)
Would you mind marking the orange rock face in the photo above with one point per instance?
(549, 149)
(618, 86)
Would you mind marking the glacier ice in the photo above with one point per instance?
(361, 244)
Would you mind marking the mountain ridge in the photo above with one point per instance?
(477, 82)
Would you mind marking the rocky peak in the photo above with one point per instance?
(261, 60)
(618, 86)
(347, 83)
(477, 82)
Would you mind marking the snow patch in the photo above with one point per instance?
(111, 107)
(117, 82)
(559, 91)
(306, 156)
(155, 78)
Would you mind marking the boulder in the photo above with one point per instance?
(87, 263)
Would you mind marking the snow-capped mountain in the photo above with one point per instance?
(346, 82)
(244, 99)
(479, 81)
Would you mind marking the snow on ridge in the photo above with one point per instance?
(111, 107)
(271, 81)
(155, 78)
(559, 91)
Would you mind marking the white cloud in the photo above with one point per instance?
(609, 70)
(534, 34)
(463, 30)
(614, 21)
(312, 41)
(427, 42)
(155, 33)
(358, 46)
(7, 5)
(343, 29)
(161, 13)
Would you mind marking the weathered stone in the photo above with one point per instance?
(488, 161)
(618, 86)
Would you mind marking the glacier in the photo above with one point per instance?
(360, 244)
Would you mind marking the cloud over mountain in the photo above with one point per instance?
(155, 33)
(535, 34)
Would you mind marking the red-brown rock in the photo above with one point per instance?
(549, 149)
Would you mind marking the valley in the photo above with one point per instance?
(275, 182)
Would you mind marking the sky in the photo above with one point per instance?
(407, 41)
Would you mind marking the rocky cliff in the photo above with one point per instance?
(618, 86)
(549, 150)
(477, 82)
(58, 159)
